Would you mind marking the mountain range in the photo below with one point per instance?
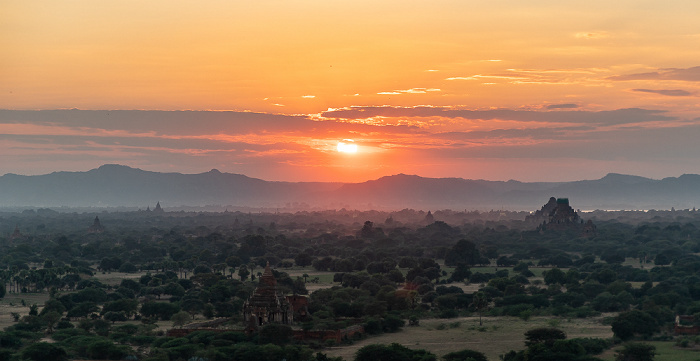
(121, 186)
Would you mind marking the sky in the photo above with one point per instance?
(497, 90)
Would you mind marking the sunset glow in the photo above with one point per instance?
(503, 90)
(345, 147)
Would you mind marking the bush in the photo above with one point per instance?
(42, 351)
(593, 346)
(449, 314)
(392, 323)
(636, 352)
(393, 352)
(465, 355)
(276, 333)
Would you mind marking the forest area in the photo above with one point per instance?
(413, 285)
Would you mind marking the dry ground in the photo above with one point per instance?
(498, 335)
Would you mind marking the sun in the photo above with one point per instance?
(347, 146)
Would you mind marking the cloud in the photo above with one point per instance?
(539, 76)
(591, 35)
(410, 91)
(682, 74)
(255, 143)
(172, 123)
(562, 106)
(667, 92)
(308, 96)
(610, 117)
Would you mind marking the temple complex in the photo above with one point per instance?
(557, 214)
(267, 304)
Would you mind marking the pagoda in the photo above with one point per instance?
(96, 226)
(267, 304)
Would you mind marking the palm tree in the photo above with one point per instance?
(480, 302)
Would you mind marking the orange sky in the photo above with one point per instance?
(494, 90)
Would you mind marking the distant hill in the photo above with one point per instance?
(121, 186)
(115, 185)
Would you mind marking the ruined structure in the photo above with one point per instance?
(300, 307)
(267, 305)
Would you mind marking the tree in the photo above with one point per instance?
(462, 252)
(554, 276)
(243, 272)
(392, 323)
(465, 355)
(393, 352)
(115, 316)
(636, 352)
(124, 305)
(208, 311)
(42, 351)
(627, 324)
(461, 273)
(104, 349)
(192, 306)
(480, 303)
(303, 259)
(276, 333)
(51, 318)
(180, 319)
(162, 310)
(544, 335)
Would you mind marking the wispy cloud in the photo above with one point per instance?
(666, 92)
(410, 91)
(562, 106)
(461, 78)
(591, 35)
(540, 76)
(612, 117)
(683, 74)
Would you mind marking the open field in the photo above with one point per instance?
(665, 351)
(12, 302)
(115, 278)
(497, 336)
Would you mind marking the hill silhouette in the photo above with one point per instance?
(114, 185)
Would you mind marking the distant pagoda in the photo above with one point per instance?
(96, 226)
(17, 235)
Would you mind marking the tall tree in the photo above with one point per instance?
(463, 251)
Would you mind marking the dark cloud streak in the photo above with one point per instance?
(667, 92)
(687, 74)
